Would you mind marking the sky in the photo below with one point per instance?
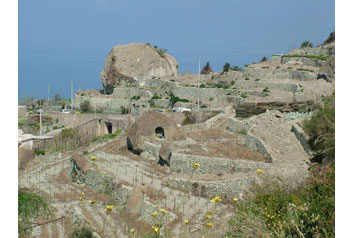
(64, 40)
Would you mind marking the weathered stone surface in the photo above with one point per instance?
(132, 64)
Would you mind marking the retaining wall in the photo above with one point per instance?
(181, 163)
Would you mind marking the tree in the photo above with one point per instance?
(264, 59)
(225, 68)
(306, 44)
(206, 69)
(236, 68)
(86, 106)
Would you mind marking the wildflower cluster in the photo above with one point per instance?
(259, 171)
(196, 165)
(216, 199)
(108, 208)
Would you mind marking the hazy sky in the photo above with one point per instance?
(64, 40)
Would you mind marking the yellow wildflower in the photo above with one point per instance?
(259, 171)
(196, 165)
(186, 221)
(216, 199)
(212, 200)
(155, 228)
(92, 201)
(209, 224)
(235, 200)
(132, 230)
(154, 214)
(83, 194)
(108, 208)
(163, 211)
(93, 158)
(208, 217)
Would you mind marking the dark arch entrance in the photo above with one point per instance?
(109, 127)
(160, 133)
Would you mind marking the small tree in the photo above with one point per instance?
(225, 68)
(264, 59)
(206, 69)
(85, 106)
(306, 44)
(236, 68)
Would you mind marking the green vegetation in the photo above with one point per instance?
(242, 132)
(273, 209)
(57, 127)
(289, 68)
(256, 79)
(107, 136)
(124, 110)
(225, 68)
(156, 96)
(233, 82)
(306, 44)
(30, 207)
(236, 68)
(321, 130)
(305, 70)
(318, 57)
(82, 233)
(172, 80)
(189, 118)
(266, 90)
(244, 94)
(136, 97)
(85, 106)
(265, 67)
(247, 78)
(211, 99)
(202, 86)
(39, 152)
(85, 152)
(174, 99)
(160, 51)
(203, 106)
(206, 69)
(264, 59)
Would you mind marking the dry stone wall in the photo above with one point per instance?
(181, 163)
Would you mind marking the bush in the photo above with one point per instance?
(174, 99)
(306, 44)
(232, 82)
(202, 86)
(206, 69)
(85, 106)
(225, 68)
(189, 118)
(30, 206)
(244, 95)
(236, 68)
(82, 233)
(264, 59)
(39, 152)
(135, 98)
(321, 130)
(156, 96)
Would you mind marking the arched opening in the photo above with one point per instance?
(109, 127)
(163, 162)
(160, 133)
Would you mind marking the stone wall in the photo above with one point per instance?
(259, 84)
(205, 93)
(236, 126)
(181, 163)
(302, 137)
(280, 74)
(226, 189)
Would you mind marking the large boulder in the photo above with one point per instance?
(129, 65)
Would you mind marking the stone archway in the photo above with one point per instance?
(160, 132)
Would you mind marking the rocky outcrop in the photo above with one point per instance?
(130, 65)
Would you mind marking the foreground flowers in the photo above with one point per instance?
(93, 158)
(186, 221)
(196, 165)
(108, 208)
(235, 200)
(216, 199)
(154, 214)
(93, 201)
(156, 228)
(259, 171)
(209, 224)
(163, 211)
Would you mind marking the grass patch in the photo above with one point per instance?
(135, 98)
(304, 70)
(107, 136)
(156, 96)
(39, 152)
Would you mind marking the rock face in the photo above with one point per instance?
(129, 65)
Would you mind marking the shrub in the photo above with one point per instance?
(306, 44)
(206, 69)
(264, 59)
(244, 95)
(321, 130)
(136, 97)
(266, 90)
(247, 78)
(124, 110)
(203, 106)
(174, 99)
(256, 79)
(189, 118)
(85, 106)
(39, 152)
(236, 68)
(30, 206)
(202, 86)
(225, 68)
(211, 99)
(233, 82)
(156, 96)
(82, 233)
(305, 70)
